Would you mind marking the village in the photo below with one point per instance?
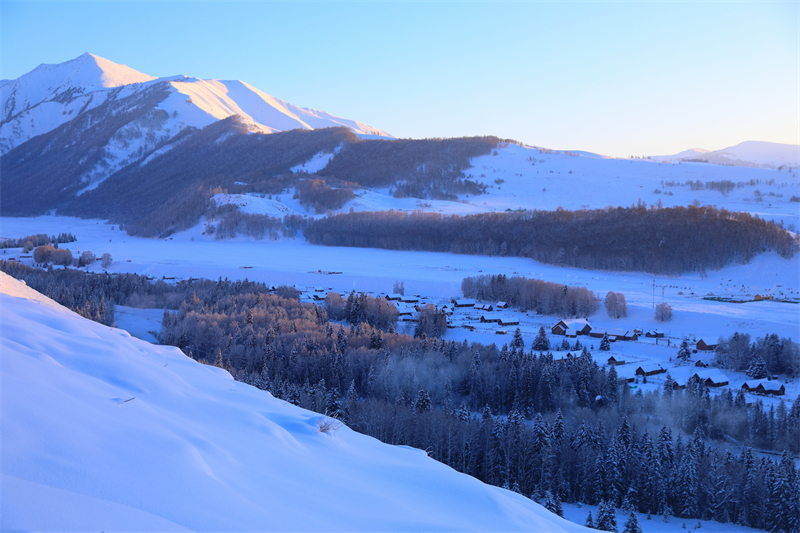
(642, 358)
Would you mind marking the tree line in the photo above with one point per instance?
(776, 355)
(543, 297)
(659, 240)
(29, 242)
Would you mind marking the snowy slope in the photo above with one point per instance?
(756, 154)
(52, 95)
(102, 431)
(84, 74)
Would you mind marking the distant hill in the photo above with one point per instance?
(754, 154)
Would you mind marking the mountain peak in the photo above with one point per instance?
(94, 72)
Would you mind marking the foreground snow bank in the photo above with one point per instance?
(103, 431)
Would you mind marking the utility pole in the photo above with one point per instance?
(654, 294)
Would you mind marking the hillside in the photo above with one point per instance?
(104, 431)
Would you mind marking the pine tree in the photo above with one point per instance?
(632, 525)
(553, 504)
(758, 369)
(518, 342)
(605, 344)
(589, 521)
(606, 517)
(666, 512)
(541, 343)
(684, 353)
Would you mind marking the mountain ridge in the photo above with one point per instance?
(51, 95)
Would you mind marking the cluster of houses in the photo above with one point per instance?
(572, 327)
(487, 313)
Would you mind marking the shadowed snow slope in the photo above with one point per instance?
(102, 431)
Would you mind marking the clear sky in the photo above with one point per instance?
(619, 78)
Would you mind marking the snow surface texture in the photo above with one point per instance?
(52, 95)
(102, 431)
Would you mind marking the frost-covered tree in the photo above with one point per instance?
(399, 287)
(606, 517)
(758, 369)
(541, 343)
(517, 341)
(553, 504)
(632, 524)
(663, 312)
(615, 304)
(605, 344)
(684, 352)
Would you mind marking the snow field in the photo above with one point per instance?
(439, 275)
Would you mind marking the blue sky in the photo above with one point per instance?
(619, 78)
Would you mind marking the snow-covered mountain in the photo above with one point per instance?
(755, 154)
(102, 431)
(52, 95)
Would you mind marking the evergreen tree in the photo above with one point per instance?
(541, 343)
(517, 341)
(758, 369)
(589, 521)
(605, 344)
(553, 504)
(684, 353)
(606, 517)
(632, 525)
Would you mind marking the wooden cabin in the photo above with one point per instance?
(578, 326)
(764, 386)
(614, 361)
(617, 334)
(649, 370)
(705, 347)
(712, 378)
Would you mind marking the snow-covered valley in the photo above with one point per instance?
(103, 428)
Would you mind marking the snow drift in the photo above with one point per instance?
(104, 431)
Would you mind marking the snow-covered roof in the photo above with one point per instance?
(713, 374)
(577, 323)
(650, 367)
(766, 383)
(617, 332)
